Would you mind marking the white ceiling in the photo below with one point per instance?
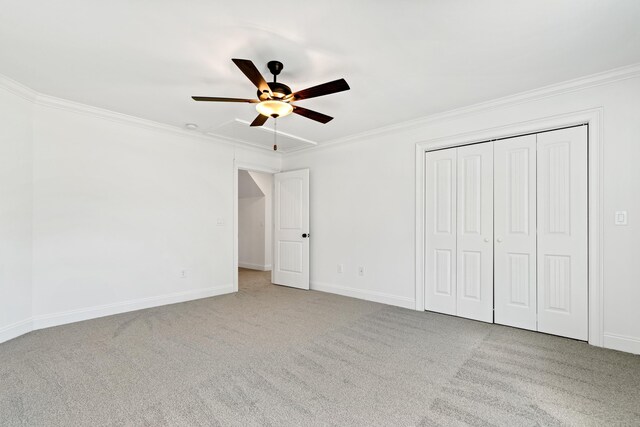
(403, 59)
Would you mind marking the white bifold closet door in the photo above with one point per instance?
(510, 217)
(440, 228)
(562, 233)
(541, 268)
(474, 249)
(459, 232)
(515, 232)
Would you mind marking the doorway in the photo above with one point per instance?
(291, 229)
(255, 228)
(271, 226)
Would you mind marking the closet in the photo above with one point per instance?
(506, 232)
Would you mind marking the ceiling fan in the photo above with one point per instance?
(274, 98)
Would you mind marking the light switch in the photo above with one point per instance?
(621, 217)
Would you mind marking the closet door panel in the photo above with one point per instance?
(475, 232)
(440, 226)
(515, 232)
(562, 233)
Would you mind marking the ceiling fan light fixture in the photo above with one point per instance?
(274, 97)
(274, 108)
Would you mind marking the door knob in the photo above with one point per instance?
(499, 239)
(486, 240)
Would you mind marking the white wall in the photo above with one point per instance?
(265, 182)
(101, 213)
(121, 210)
(16, 194)
(254, 223)
(251, 232)
(363, 201)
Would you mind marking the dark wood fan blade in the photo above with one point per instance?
(320, 90)
(259, 121)
(250, 70)
(216, 99)
(313, 115)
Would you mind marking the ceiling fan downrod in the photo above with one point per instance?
(274, 68)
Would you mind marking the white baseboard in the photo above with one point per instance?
(622, 343)
(62, 318)
(374, 296)
(251, 266)
(55, 319)
(16, 329)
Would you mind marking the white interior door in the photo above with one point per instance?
(474, 246)
(440, 228)
(515, 232)
(291, 229)
(562, 233)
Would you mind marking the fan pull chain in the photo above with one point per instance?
(275, 134)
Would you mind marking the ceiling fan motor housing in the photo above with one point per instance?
(279, 91)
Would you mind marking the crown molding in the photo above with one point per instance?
(49, 101)
(76, 107)
(581, 83)
(88, 110)
(17, 89)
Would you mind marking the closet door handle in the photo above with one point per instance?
(486, 240)
(499, 239)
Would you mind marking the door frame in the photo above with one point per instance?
(253, 168)
(592, 117)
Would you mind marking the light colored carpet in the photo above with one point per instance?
(270, 355)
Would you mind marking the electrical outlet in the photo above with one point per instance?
(361, 271)
(183, 274)
(340, 268)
